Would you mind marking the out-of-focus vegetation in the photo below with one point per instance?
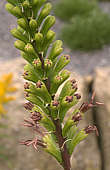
(5, 89)
(66, 9)
(87, 33)
(104, 0)
(87, 27)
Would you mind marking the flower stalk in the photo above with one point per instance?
(45, 73)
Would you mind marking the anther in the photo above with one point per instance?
(69, 99)
(26, 85)
(55, 103)
(39, 84)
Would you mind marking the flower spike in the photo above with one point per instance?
(44, 74)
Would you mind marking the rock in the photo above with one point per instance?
(102, 88)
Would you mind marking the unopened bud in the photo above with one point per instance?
(48, 23)
(29, 49)
(26, 4)
(33, 24)
(44, 12)
(62, 62)
(19, 44)
(22, 23)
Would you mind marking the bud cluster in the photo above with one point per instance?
(45, 73)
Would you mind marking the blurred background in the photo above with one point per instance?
(84, 27)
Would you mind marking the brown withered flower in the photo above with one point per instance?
(91, 129)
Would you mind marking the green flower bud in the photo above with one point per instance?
(14, 10)
(39, 41)
(29, 49)
(17, 34)
(26, 5)
(52, 148)
(66, 104)
(17, 12)
(48, 66)
(62, 62)
(30, 74)
(34, 2)
(70, 134)
(69, 123)
(27, 57)
(56, 50)
(21, 30)
(50, 36)
(19, 44)
(44, 13)
(38, 67)
(9, 7)
(33, 25)
(58, 80)
(42, 92)
(69, 88)
(48, 23)
(13, 2)
(65, 74)
(37, 101)
(41, 2)
(76, 140)
(22, 23)
(57, 44)
(45, 121)
(36, 5)
(37, 64)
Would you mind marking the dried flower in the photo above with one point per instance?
(90, 129)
